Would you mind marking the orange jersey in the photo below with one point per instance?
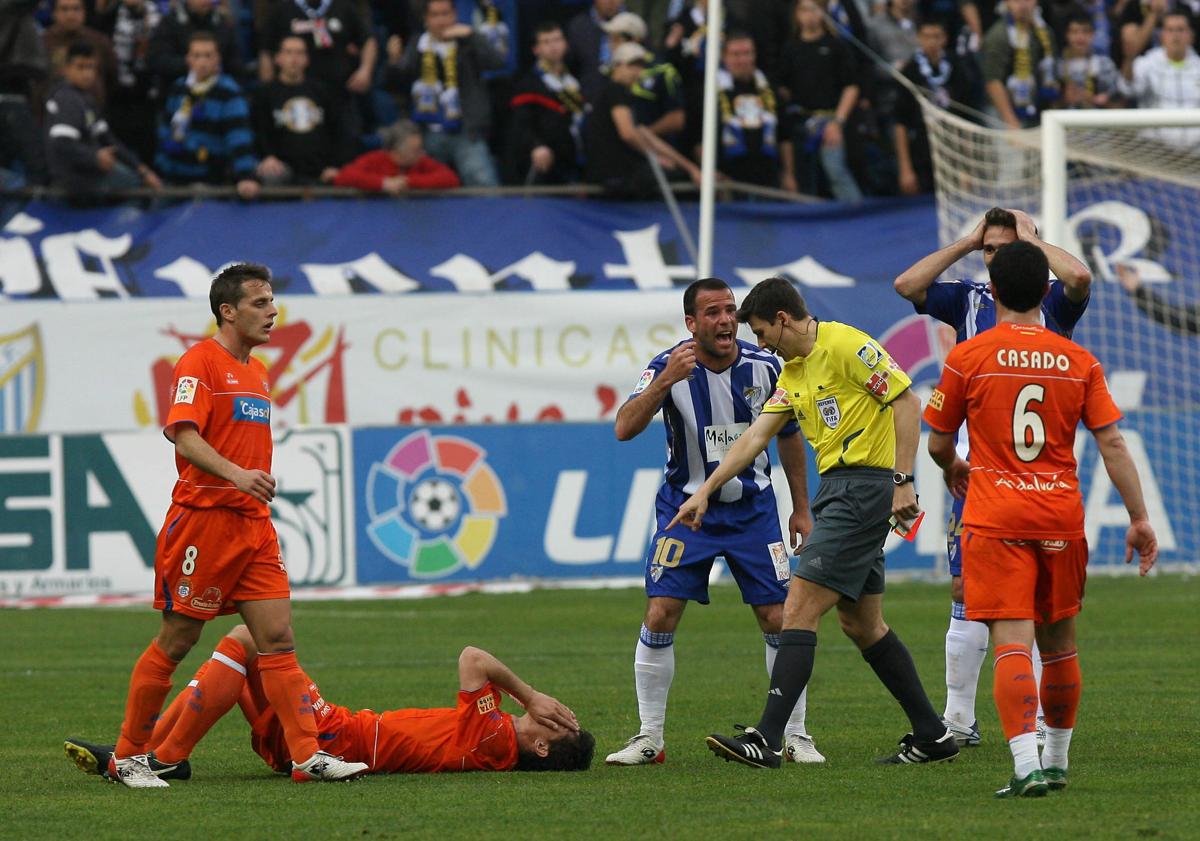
(229, 403)
(1022, 391)
(474, 736)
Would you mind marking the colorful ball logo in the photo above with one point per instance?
(435, 504)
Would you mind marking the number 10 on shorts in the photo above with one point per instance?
(667, 552)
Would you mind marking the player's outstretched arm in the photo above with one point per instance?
(1140, 537)
(1070, 270)
(637, 412)
(915, 281)
(477, 667)
(794, 459)
(191, 446)
(740, 456)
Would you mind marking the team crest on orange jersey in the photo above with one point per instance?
(486, 704)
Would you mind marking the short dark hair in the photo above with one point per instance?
(227, 285)
(998, 217)
(933, 20)
(704, 284)
(769, 297)
(1020, 275)
(732, 35)
(1080, 16)
(80, 49)
(573, 752)
(545, 26)
(291, 37)
(203, 35)
(425, 6)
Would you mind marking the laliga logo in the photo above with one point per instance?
(434, 505)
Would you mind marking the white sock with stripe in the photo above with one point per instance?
(653, 671)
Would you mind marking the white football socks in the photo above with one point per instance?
(653, 671)
(1058, 742)
(966, 649)
(795, 723)
(1025, 754)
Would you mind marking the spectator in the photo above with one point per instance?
(548, 111)
(443, 69)
(1019, 66)
(342, 50)
(398, 168)
(616, 148)
(171, 40)
(69, 27)
(298, 128)
(23, 66)
(941, 72)
(686, 35)
(847, 19)
(205, 135)
(892, 33)
(621, 27)
(495, 20)
(1087, 79)
(1169, 77)
(754, 144)
(1141, 26)
(658, 93)
(591, 51)
(818, 79)
(131, 103)
(84, 155)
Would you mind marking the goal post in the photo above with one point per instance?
(1054, 150)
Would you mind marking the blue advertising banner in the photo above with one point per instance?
(487, 503)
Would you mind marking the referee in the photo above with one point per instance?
(854, 405)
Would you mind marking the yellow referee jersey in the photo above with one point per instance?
(840, 393)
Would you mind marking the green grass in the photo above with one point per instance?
(1133, 769)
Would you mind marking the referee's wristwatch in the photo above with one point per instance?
(902, 478)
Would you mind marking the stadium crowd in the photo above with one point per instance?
(104, 95)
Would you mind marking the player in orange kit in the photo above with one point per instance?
(1022, 391)
(474, 736)
(217, 552)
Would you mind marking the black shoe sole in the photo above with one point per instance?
(720, 750)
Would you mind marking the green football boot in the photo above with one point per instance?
(1033, 785)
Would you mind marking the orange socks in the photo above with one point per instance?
(148, 688)
(1015, 691)
(286, 687)
(210, 695)
(1062, 684)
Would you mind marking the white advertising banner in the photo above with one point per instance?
(379, 360)
(79, 514)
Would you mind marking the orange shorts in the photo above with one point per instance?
(208, 559)
(1040, 580)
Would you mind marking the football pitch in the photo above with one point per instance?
(1133, 769)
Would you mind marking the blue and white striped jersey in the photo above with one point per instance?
(967, 306)
(705, 413)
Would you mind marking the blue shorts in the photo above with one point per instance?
(954, 530)
(679, 560)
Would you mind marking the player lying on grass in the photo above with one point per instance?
(473, 736)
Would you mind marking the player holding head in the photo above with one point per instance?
(968, 307)
(217, 552)
(710, 388)
(473, 736)
(1022, 390)
(854, 405)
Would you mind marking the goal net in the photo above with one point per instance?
(1120, 190)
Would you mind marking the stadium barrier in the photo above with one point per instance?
(489, 324)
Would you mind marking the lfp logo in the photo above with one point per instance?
(434, 505)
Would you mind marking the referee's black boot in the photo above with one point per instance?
(749, 748)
